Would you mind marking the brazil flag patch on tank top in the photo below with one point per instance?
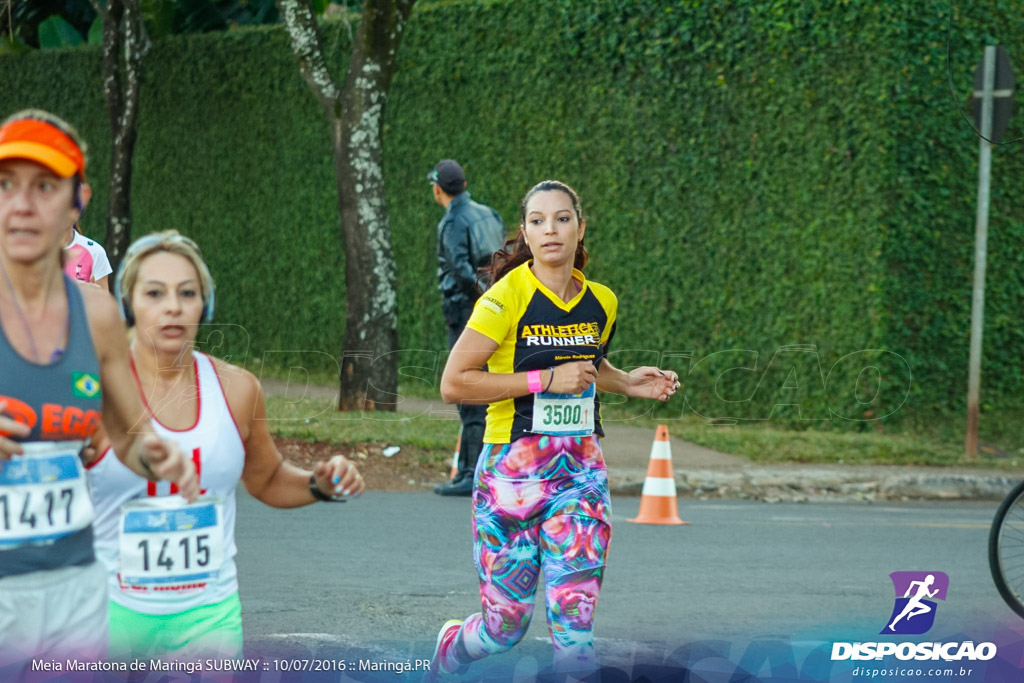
(85, 385)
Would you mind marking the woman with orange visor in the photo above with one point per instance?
(64, 360)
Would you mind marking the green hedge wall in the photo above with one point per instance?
(761, 179)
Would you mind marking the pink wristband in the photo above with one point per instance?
(533, 381)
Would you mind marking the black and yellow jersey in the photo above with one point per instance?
(535, 330)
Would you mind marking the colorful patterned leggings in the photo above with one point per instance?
(541, 504)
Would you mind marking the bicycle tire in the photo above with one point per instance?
(1006, 549)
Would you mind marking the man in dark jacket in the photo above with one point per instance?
(467, 235)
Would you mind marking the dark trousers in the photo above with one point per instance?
(473, 417)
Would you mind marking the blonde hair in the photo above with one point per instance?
(170, 241)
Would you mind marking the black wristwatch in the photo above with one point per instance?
(319, 495)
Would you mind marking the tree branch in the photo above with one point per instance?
(307, 45)
(112, 91)
(136, 46)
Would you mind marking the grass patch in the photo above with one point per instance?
(927, 439)
(767, 445)
(413, 381)
(300, 376)
(924, 440)
(318, 420)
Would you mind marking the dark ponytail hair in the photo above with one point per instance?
(516, 252)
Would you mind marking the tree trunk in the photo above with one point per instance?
(124, 45)
(369, 376)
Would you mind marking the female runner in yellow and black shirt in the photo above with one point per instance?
(541, 493)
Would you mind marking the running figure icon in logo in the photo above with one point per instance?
(915, 589)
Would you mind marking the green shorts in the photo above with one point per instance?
(209, 631)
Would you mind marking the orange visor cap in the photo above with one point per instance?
(43, 143)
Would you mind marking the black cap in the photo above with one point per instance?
(448, 176)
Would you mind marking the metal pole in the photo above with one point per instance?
(980, 254)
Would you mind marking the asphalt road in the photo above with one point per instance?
(377, 576)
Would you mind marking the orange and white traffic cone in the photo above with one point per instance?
(455, 457)
(658, 498)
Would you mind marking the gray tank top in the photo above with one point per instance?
(62, 401)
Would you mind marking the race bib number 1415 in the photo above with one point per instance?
(167, 543)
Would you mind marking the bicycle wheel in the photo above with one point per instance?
(1006, 549)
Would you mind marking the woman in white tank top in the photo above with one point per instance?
(172, 579)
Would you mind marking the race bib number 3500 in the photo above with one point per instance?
(564, 414)
(166, 543)
(43, 495)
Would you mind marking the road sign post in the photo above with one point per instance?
(993, 82)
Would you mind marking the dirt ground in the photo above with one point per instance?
(410, 469)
